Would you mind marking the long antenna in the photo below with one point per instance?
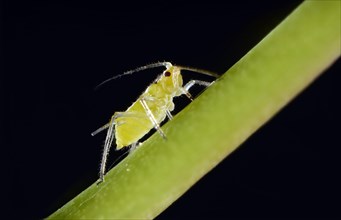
(149, 66)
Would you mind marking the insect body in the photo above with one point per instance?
(149, 110)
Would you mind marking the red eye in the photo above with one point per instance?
(167, 74)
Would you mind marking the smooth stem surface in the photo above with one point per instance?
(216, 123)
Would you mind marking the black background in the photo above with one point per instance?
(55, 53)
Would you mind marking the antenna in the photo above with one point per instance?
(149, 66)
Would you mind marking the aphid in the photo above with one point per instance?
(149, 110)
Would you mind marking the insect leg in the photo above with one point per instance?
(100, 129)
(151, 117)
(117, 115)
(160, 102)
(111, 135)
(134, 146)
(169, 115)
(107, 144)
(192, 83)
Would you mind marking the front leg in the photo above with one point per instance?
(185, 89)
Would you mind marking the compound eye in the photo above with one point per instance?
(167, 74)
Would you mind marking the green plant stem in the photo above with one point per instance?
(226, 114)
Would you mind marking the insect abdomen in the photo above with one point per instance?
(131, 129)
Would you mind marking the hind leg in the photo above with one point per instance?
(110, 138)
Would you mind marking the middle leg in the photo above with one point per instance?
(152, 117)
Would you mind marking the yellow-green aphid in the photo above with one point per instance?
(149, 110)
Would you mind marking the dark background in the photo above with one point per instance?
(54, 54)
